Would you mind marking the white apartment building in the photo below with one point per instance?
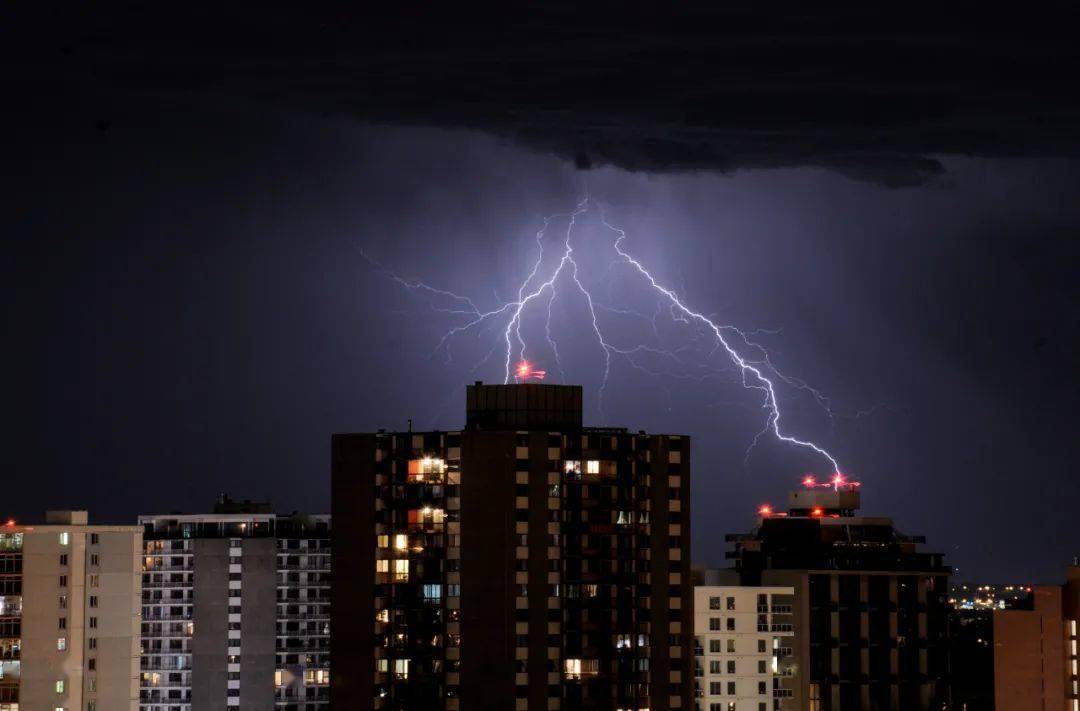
(744, 641)
(69, 615)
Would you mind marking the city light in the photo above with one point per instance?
(764, 510)
(817, 512)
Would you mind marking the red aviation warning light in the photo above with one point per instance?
(764, 510)
(524, 372)
(817, 512)
(809, 481)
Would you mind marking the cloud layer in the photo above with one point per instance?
(872, 95)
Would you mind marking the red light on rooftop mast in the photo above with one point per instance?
(524, 371)
(764, 510)
(809, 481)
(817, 512)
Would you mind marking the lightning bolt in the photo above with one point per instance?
(753, 375)
(750, 360)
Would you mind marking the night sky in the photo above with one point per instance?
(189, 200)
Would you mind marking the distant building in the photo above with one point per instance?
(744, 640)
(236, 611)
(523, 562)
(873, 605)
(69, 615)
(1022, 655)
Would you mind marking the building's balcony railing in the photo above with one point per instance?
(167, 617)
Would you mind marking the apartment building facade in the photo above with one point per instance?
(69, 615)
(523, 562)
(873, 604)
(744, 648)
(235, 611)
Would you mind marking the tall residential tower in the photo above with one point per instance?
(522, 562)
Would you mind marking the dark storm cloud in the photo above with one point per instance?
(875, 94)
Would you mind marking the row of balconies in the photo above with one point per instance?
(182, 696)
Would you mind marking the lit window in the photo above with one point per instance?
(60, 686)
(382, 616)
(65, 538)
(401, 571)
(577, 668)
(401, 541)
(401, 668)
(384, 541)
(61, 643)
(277, 677)
(426, 469)
(382, 566)
(433, 592)
(318, 677)
(572, 467)
(592, 467)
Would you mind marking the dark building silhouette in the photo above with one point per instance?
(523, 562)
(871, 608)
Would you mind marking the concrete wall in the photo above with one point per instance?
(1029, 655)
(119, 593)
(42, 663)
(116, 583)
(259, 623)
(210, 643)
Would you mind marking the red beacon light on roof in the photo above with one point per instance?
(765, 510)
(11, 522)
(809, 481)
(525, 371)
(817, 512)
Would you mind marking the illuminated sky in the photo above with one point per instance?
(189, 310)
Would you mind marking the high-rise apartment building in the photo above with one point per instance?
(236, 611)
(871, 608)
(522, 562)
(69, 615)
(744, 646)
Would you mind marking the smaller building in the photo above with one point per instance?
(69, 615)
(744, 642)
(236, 610)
